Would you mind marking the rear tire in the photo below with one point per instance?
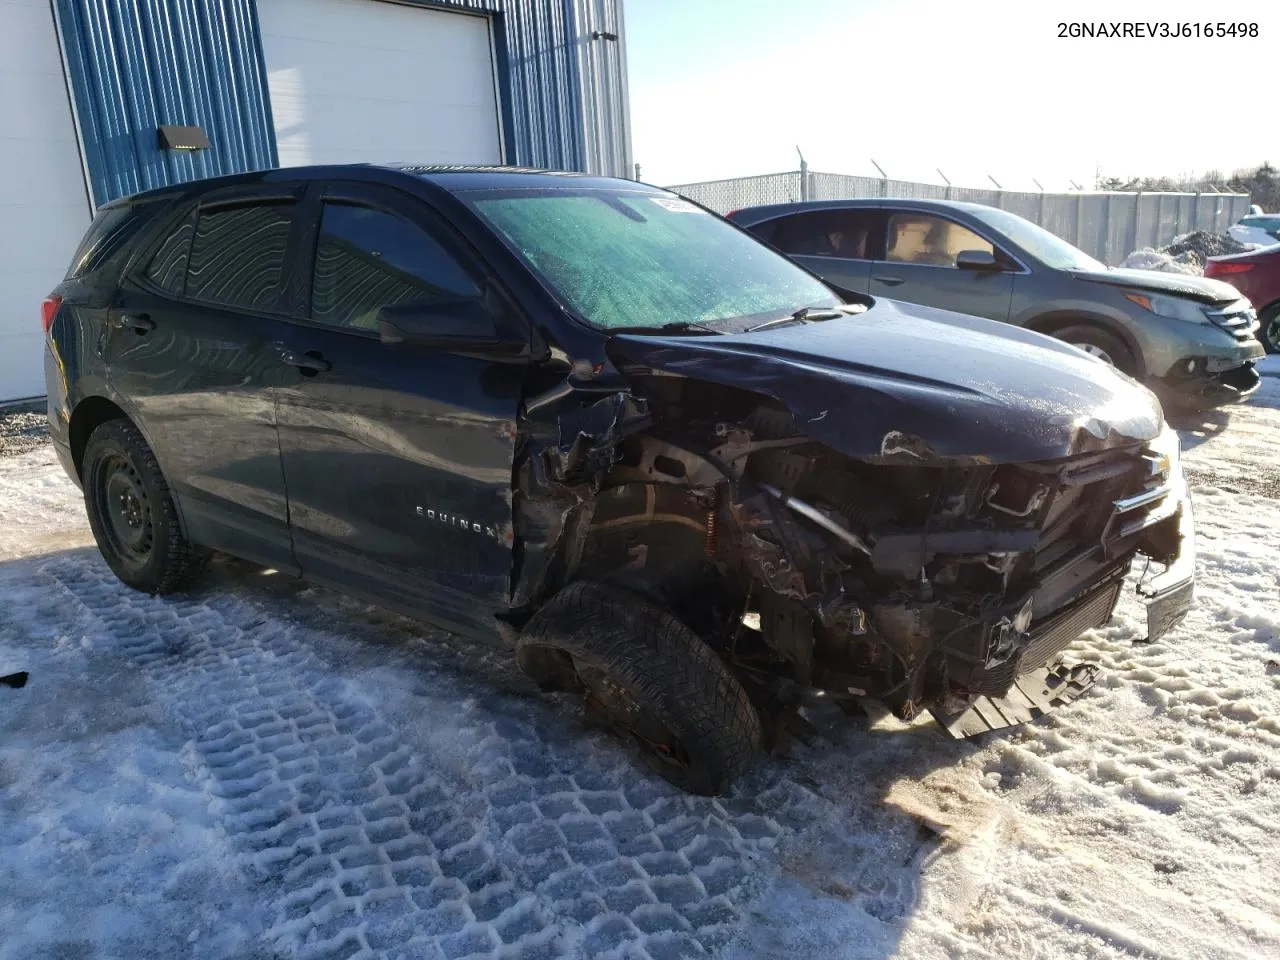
(1100, 343)
(1269, 328)
(132, 513)
(651, 678)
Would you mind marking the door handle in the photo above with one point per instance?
(888, 281)
(139, 323)
(310, 363)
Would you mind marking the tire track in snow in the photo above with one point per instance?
(366, 843)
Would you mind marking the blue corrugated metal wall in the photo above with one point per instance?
(136, 64)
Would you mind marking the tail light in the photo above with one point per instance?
(49, 310)
(1224, 269)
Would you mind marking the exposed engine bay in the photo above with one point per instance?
(902, 576)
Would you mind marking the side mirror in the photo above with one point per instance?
(976, 260)
(464, 325)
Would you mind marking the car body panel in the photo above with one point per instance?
(1260, 282)
(978, 293)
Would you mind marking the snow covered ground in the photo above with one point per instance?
(261, 769)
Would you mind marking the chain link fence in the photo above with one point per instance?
(1107, 226)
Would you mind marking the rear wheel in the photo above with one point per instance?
(1269, 328)
(1100, 343)
(649, 678)
(132, 512)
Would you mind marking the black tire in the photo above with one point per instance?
(1269, 328)
(1101, 343)
(650, 677)
(132, 513)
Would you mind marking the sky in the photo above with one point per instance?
(726, 88)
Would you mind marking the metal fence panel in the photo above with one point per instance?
(723, 196)
(1107, 226)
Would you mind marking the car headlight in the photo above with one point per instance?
(1175, 308)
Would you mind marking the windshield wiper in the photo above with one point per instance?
(674, 327)
(801, 315)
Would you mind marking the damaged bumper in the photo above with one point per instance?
(1215, 387)
(1044, 681)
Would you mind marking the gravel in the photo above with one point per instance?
(22, 430)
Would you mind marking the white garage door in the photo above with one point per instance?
(43, 206)
(364, 81)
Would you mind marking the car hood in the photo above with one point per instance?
(905, 383)
(1178, 284)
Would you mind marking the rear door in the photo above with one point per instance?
(837, 245)
(193, 345)
(919, 266)
(397, 459)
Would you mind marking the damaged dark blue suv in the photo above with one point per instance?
(590, 420)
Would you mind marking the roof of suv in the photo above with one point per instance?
(446, 177)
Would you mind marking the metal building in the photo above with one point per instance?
(98, 98)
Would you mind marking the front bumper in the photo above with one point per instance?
(1215, 382)
(1044, 682)
(1169, 593)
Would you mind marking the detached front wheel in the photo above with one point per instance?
(649, 678)
(132, 513)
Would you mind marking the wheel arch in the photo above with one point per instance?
(1053, 320)
(90, 413)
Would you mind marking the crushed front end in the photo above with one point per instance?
(956, 589)
(828, 521)
(928, 586)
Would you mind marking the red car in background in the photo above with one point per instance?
(1256, 275)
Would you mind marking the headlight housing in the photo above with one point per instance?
(1175, 308)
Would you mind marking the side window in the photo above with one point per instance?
(367, 259)
(824, 233)
(238, 254)
(924, 238)
(168, 267)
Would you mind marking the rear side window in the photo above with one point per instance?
(109, 232)
(367, 259)
(237, 255)
(168, 267)
(824, 233)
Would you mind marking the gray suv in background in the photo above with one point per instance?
(1188, 338)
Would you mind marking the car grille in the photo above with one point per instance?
(1151, 503)
(1241, 322)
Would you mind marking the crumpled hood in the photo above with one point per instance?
(906, 383)
(1179, 284)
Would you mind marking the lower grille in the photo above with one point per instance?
(1047, 640)
(1052, 637)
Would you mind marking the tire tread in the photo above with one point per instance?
(679, 676)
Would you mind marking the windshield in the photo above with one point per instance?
(622, 259)
(1049, 249)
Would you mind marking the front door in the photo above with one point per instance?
(191, 343)
(397, 459)
(919, 266)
